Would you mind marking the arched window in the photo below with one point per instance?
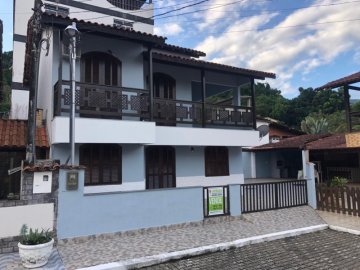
(103, 163)
(216, 161)
(100, 68)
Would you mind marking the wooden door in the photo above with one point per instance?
(164, 96)
(160, 167)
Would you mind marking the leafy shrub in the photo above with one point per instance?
(339, 181)
(34, 237)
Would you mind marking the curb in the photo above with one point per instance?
(343, 229)
(165, 257)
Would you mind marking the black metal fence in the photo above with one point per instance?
(216, 201)
(269, 196)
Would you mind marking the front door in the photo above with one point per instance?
(160, 167)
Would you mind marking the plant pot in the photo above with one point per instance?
(33, 256)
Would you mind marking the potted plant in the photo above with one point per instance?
(35, 246)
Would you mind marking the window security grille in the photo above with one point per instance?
(56, 10)
(123, 24)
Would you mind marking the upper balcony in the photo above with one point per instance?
(112, 102)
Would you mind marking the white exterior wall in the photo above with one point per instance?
(35, 216)
(147, 11)
(19, 104)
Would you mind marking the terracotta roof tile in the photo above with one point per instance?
(211, 65)
(297, 142)
(13, 134)
(337, 141)
(353, 78)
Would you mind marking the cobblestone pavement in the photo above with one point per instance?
(320, 250)
(99, 251)
(341, 220)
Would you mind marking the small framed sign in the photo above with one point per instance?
(72, 180)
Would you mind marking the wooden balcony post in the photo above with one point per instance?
(252, 85)
(347, 108)
(203, 97)
(151, 85)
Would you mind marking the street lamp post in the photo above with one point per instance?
(72, 32)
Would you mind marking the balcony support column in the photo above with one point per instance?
(203, 97)
(347, 108)
(252, 86)
(151, 85)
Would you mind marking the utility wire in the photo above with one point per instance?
(284, 27)
(263, 11)
(187, 6)
(253, 10)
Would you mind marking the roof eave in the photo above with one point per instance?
(84, 26)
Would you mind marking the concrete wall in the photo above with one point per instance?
(39, 216)
(263, 165)
(80, 215)
(190, 168)
(147, 11)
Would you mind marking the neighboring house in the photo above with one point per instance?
(270, 131)
(145, 119)
(348, 83)
(333, 155)
(282, 159)
(274, 131)
(13, 143)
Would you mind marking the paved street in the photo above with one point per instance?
(320, 250)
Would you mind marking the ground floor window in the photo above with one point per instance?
(10, 184)
(216, 161)
(160, 167)
(103, 164)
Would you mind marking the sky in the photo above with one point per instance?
(305, 42)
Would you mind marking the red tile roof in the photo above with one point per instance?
(337, 141)
(13, 134)
(297, 142)
(181, 50)
(212, 66)
(353, 78)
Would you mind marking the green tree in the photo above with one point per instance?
(315, 125)
(337, 122)
(7, 67)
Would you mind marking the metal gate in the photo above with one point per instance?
(269, 196)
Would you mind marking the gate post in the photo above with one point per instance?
(311, 189)
(235, 200)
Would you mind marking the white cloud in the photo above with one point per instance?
(287, 50)
(170, 29)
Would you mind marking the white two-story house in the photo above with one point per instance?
(150, 115)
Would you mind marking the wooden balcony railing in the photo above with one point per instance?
(98, 101)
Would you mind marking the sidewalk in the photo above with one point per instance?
(341, 220)
(105, 249)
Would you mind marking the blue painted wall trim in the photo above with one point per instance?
(80, 215)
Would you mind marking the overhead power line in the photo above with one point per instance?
(261, 10)
(177, 9)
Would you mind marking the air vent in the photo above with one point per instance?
(128, 25)
(127, 4)
(56, 10)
